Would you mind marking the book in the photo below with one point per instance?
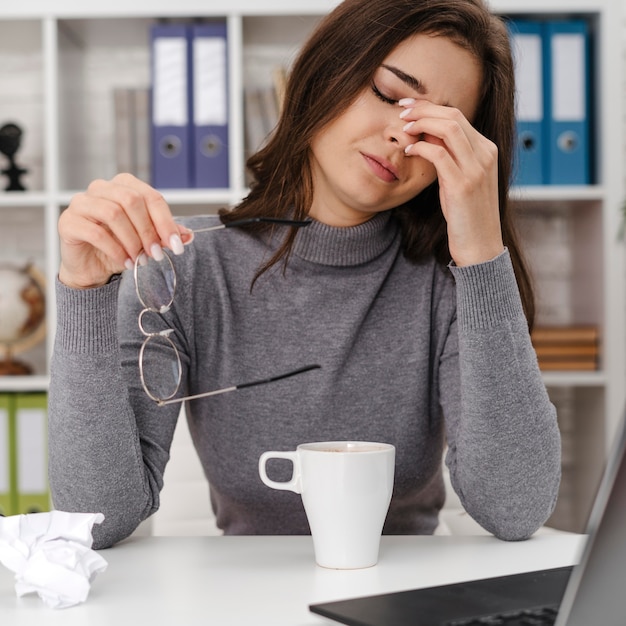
(560, 351)
(568, 365)
(574, 334)
(132, 131)
(568, 348)
(279, 76)
(254, 123)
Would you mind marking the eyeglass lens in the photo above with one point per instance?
(160, 367)
(156, 283)
(159, 361)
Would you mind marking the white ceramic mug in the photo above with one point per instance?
(346, 489)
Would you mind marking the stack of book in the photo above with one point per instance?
(566, 347)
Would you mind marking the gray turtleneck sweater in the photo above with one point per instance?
(417, 355)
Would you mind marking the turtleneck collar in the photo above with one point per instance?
(354, 245)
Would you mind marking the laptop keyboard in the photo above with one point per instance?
(543, 616)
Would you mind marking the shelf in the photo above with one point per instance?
(558, 193)
(24, 383)
(574, 379)
(12, 199)
(555, 194)
(181, 197)
(123, 8)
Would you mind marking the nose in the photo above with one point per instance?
(395, 134)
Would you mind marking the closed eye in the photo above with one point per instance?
(382, 96)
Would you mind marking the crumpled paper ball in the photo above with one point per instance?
(51, 555)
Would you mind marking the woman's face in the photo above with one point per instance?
(358, 163)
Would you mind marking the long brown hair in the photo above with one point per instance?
(333, 67)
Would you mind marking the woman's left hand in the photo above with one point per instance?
(467, 169)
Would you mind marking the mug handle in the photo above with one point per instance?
(290, 485)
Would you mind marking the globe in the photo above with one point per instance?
(22, 314)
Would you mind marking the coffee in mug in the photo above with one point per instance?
(346, 489)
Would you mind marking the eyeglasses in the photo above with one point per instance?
(160, 367)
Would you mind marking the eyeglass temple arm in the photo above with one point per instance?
(256, 220)
(301, 370)
(254, 383)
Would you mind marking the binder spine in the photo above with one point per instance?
(171, 106)
(527, 42)
(31, 418)
(567, 56)
(209, 80)
(7, 456)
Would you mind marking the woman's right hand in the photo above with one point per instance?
(104, 230)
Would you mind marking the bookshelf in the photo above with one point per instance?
(60, 64)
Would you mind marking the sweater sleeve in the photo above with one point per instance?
(108, 446)
(503, 437)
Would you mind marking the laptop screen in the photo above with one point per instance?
(596, 591)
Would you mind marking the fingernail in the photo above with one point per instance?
(156, 252)
(176, 244)
(407, 126)
(143, 259)
(406, 102)
(408, 148)
(405, 113)
(128, 264)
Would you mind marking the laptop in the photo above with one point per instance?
(591, 593)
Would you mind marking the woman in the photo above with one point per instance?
(407, 287)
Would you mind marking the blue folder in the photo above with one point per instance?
(210, 154)
(568, 91)
(527, 41)
(171, 106)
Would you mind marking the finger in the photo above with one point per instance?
(452, 129)
(148, 212)
(425, 110)
(112, 252)
(170, 234)
(88, 260)
(107, 214)
(468, 148)
(466, 176)
(79, 229)
(441, 144)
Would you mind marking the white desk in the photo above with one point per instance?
(259, 581)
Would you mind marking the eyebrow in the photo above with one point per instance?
(410, 80)
(407, 79)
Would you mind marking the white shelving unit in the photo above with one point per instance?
(62, 60)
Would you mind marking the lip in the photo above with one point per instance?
(382, 168)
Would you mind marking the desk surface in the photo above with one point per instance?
(258, 581)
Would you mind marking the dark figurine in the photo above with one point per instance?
(10, 139)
